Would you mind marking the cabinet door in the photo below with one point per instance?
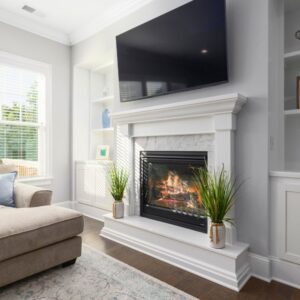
(85, 184)
(103, 199)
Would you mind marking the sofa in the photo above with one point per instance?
(35, 236)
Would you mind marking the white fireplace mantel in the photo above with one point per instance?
(214, 116)
(222, 104)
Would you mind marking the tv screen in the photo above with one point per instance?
(180, 50)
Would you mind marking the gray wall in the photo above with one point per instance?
(248, 71)
(29, 45)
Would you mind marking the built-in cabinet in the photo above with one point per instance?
(92, 184)
(94, 87)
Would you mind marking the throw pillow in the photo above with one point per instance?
(7, 182)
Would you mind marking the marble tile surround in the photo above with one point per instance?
(199, 142)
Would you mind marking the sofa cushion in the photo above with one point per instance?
(7, 182)
(7, 168)
(25, 229)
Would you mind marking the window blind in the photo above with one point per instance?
(22, 96)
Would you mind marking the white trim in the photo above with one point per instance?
(260, 267)
(17, 20)
(84, 32)
(285, 174)
(231, 271)
(111, 16)
(90, 211)
(222, 104)
(279, 270)
(45, 69)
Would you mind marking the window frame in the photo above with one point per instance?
(45, 141)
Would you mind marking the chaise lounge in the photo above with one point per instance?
(35, 236)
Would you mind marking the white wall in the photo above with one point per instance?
(32, 46)
(248, 75)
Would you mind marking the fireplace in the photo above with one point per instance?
(167, 191)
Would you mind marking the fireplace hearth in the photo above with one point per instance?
(167, 191)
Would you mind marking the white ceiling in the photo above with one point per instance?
(291, 5)
(66, 21)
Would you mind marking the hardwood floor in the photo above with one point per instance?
(185, 281)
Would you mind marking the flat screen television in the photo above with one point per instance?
(180, 50)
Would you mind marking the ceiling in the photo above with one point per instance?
(66, 21)
(290, 5)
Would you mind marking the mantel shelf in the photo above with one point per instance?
(209, 106)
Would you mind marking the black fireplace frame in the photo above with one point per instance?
(197, 158)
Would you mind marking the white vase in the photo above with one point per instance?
(217, 233)
(118, 209)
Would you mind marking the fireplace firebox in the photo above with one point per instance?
(167, 190)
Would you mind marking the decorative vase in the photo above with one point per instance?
(118, 209)
(106, 118)
(217, 233)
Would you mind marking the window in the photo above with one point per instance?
(23, 118)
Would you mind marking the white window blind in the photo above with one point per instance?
(22, 121)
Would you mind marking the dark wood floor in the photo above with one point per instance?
(185, 281)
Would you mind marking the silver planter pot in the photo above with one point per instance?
(118, 209)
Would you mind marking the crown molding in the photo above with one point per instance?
(111, 16)
(34, 27)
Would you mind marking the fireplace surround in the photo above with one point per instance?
(205, 124)
(167, 191)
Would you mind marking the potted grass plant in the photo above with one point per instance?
(118, 182)
(218, 192)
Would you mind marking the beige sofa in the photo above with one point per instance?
(35, 236)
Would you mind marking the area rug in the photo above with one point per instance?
(95, 276)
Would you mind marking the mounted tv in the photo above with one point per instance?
(181, 50)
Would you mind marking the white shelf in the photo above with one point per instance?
(103, 100)
(292, 54)
(104, 67)
(103, 130)
(292, 112)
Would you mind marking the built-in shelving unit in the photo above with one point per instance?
(94, 90)
(101, 98)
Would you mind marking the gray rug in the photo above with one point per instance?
(94, 276)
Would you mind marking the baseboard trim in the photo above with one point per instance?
(88, 211)
(260, 267)
(274, 268)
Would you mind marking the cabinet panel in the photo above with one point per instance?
(92, 187)
(85, 184)
(293, 225)
(103, 198)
